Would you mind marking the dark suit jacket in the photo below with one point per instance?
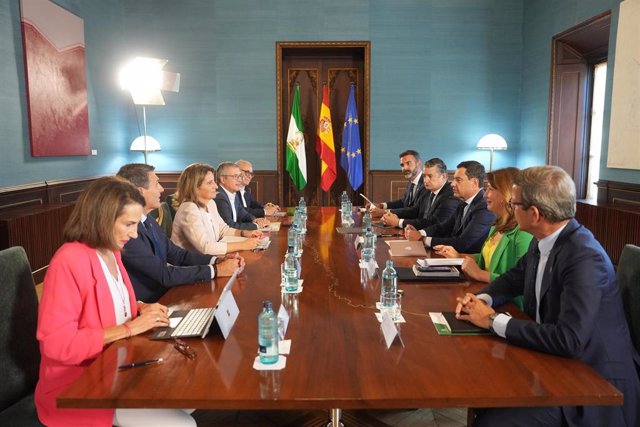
(429, 213)
(150, 275)
(244, 218)
(581, 317)
(400, 206)
(466, 235)
(254, 207)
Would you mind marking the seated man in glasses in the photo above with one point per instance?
(253, 206)
(230, 208)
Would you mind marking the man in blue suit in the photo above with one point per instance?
(467, 229)
(228, 200)
(153, 262)
(411, 166)
(570, 294)
(438, 204)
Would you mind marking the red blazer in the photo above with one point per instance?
(75, 309)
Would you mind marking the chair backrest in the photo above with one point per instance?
(628, 275)
(19, 350)
(172, 211)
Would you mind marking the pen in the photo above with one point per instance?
(389, 235)
(137, 364)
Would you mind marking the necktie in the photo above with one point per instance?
(460, 220)
(155, 241)
(410, 191)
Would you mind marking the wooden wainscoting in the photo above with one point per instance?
(33, 216)
(612, 225)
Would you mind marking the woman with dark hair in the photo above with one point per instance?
(88, 302)
(506, 243)
(197, 225)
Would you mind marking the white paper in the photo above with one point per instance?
(284, 347)
(389, 329)
(280, 364)
(372, 262)
(173, 321)
(439, 319)
(401, 319)
(428, 262)
(283, 321)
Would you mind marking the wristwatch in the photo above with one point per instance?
(492, 317)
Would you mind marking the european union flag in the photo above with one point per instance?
(350, 153)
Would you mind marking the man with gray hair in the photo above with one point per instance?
(230, 208)
(254, 207)
(572, 299)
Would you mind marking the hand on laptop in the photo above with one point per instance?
(151, 316)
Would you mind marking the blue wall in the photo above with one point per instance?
(443, 73)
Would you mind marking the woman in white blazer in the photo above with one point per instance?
(197, 225)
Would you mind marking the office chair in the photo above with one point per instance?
(628, 275)
(19, 350)
(163, 217)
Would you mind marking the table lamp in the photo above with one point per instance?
(492, 142)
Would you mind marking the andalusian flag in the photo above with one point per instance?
(325, 141)
(296, 156)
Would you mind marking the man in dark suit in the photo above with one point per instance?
(467, 229)
(436, 206)
(572, 298)
(228, 200)
(411, 166)
(153, 262)
(253, 206)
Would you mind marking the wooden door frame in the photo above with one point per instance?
(586, 43)
(366, 49)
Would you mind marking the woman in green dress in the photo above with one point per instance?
(505, 244)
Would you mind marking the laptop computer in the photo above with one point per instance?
(196, 322)
(406, 248)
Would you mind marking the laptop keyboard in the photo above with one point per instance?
(194, 322)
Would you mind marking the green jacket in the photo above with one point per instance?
(512, 246)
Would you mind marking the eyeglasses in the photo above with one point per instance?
(250, 174)
(237, 176)
(512, 204)
(184, 348)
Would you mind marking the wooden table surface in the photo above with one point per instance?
(338, 357)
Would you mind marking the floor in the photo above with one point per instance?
(454, 417)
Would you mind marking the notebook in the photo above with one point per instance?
(196, 322)
(406, 248)
(446, 323)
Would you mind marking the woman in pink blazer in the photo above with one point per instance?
(197, 225)
(88, 302)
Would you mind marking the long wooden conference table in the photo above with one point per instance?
(338, 357)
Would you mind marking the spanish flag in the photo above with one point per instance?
(325, 142)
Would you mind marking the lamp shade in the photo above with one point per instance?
(492, 141)
(138, 144)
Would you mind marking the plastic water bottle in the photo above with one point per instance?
(297, 249)
(389, 280)
(302, 213)
(292, 237)
(268, 334)
(303, 204)
(366, 222)
(368, 246)
(345, 207)
(290, 271)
